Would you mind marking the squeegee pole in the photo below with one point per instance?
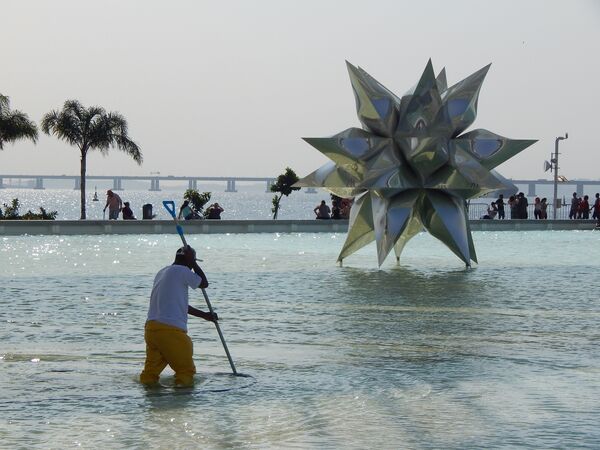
(170, 207)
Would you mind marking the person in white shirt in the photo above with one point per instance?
(492, 211)
(165, 331)
(322, 211)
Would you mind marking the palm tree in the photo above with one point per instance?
(90, 129)
(14, 125)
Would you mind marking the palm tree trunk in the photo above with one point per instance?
(82, 184)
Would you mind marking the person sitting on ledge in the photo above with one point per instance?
(322, 211)
(187, 212)
(335, 211)
(127, 212)
(214, 211)
(491, 212)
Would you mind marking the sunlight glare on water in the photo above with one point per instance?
(422, 355)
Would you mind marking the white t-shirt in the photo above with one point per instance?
(169, 297)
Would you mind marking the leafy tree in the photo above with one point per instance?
(284, 186)
(90, 129)
(197, 200)
(14, 125)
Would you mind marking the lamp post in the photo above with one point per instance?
(554, 162)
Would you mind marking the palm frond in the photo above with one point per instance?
(4, 102)
(15, 125)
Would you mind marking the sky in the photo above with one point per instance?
(229, 88)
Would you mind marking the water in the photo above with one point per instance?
(425, 355)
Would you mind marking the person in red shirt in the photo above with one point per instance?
(584, 207)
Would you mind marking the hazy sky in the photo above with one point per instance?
(230, 87)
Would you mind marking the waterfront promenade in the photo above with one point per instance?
(95, 227)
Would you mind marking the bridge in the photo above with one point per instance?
(38, 180)
(532, 184)
(230, 182)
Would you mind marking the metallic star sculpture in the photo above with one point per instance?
(410, 167)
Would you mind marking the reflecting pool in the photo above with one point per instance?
(422, 355)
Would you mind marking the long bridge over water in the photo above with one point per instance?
(230, 182)
(154, 180)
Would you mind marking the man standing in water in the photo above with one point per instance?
(165, 332)
(114, 205)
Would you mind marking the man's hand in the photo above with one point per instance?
(212, 317)
(190, 256)
(204, 282)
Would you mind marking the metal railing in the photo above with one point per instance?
(478, 210)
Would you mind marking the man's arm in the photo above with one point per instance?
(203, 315)
(196, 268)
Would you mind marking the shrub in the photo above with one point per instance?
(11, 212)
(197, 199)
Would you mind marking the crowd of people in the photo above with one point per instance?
(116, 206)
(518, 204)
(580, 207)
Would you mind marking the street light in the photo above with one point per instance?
(554, 162)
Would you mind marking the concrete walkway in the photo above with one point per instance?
(88, 227)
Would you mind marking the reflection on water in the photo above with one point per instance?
(423, 355)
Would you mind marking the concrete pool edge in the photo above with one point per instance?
(92, 227)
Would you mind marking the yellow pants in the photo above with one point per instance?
(166, 344)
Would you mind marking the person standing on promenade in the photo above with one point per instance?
(537, 208)
(522, 206)
(544, 208)
(500, 206)
(114, 205)
(512, 204)
(574, 206)
(165, 331)
(322, 211)
(596, 207)
(345, 208)
(584, 207)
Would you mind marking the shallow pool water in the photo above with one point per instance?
(421, 355)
